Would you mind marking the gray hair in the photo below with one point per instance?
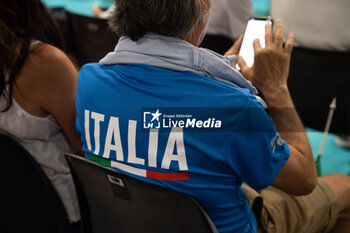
(134, 18)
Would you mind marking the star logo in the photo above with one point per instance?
(156, 115)
(151, 120)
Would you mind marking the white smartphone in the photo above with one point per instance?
(255, 29)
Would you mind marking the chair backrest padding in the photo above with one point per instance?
(119, 203)
(28, 200)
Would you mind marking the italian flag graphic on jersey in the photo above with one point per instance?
(140, 172)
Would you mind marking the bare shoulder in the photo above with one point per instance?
(46, 85)
(50, 62)
(44, 77)
(46, 68)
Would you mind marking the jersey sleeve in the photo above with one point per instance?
(257, 152)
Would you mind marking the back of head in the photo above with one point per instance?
(20, 22)
(134, 18)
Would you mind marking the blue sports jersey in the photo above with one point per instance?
(182, 131)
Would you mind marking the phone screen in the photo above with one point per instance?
(255, 30)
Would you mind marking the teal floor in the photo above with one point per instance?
(83, 7)
(334, 159)
(260, 7)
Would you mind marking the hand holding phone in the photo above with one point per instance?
(270, 70)
(255, 30)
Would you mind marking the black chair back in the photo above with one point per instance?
(113, 202)
(61, 16)
(28, 200)
(92, 38)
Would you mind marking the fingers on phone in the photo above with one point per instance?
(290, 42)
(239, 40)
(237, 45)
(256, 45)
(242, 64)
(278, 41)
(268, 35)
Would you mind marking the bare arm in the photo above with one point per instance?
(48, 84)
(269, 74)
(60, 89)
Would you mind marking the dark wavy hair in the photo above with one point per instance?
(20, 22)
(134, 18)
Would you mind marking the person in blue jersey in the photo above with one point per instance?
(164, 111)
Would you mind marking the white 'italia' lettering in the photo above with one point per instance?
(132, 144)
(113, 142)
(113, 132)
(98, 118)
(87, 128)
(153, 147)
(175, 140)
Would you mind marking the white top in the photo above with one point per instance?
(229, 17)
(318, 24)
(45, 141)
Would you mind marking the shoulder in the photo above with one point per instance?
(49, 61)
(46, 72)
(45, 75)
(93, 67)
(48, 67)
(92, 72)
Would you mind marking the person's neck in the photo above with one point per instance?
(190, 39)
